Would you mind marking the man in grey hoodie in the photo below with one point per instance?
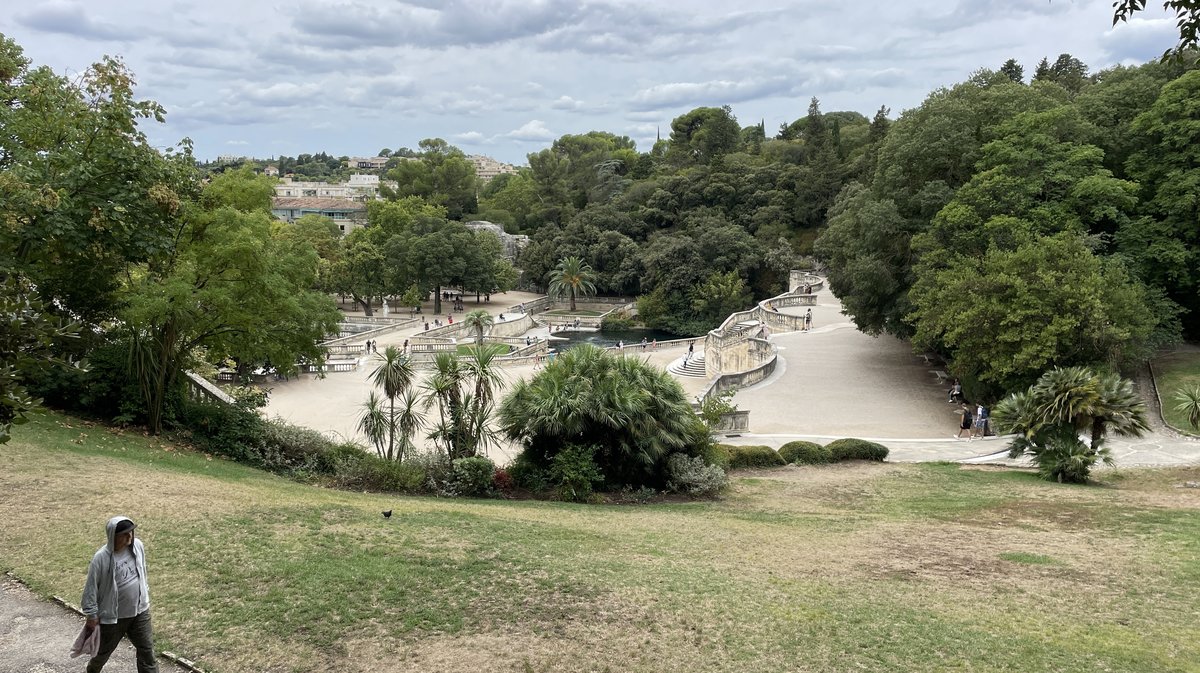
(116, 597)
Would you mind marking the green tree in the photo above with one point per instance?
(703, 134)
(635, 414)
(572, 277)
(1049, 416)
(478, 320)
(225, 285)
(443, 176)
(718, 296)
(361, 271)
(83, 194)
(1013, 70)
(1165, 242)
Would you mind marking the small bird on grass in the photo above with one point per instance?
(387, 514)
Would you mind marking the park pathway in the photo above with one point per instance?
(835, 381)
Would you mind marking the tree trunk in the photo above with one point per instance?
(437, 300)
(392, 429)
(572, 298)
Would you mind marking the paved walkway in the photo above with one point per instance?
(830, 382)
(835, 381)
(36, 636)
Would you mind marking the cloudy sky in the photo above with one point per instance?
(507, 77)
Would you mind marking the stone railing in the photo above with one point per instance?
(395, 326)
(797, 280)
(375, 319)
(200, 389)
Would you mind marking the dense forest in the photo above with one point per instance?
(1008, 223)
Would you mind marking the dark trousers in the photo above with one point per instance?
(140, 634)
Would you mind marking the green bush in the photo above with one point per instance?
(226, 430)
(616, 323)
(856, 449)
(805, 453)
(716, 454)
(340, 458)
(526, 474)
(690, 475)
(473, 476)
(753, 456)
(573, 472)
(291, 446)
(372, 473)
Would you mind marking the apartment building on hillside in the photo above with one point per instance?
(487, 168)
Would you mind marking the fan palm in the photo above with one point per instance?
(478, 320)
(572, 276)
(1048, 417)
(1188, 402)
(393, 374)
(633, 414)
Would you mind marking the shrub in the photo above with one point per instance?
(689, 474)
(372, 473)
(856, 449)
(340, 458)
(226, 430)
(805, 453)
(293, 446)
(573, 472)
(526, 474)
(716, 454)
(502, 481)
(616, 322)
(753, 456)
(473, 476)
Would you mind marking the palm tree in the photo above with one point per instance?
(574, 276)
(375, 422)
(1090, 402)
(1188, 400)
(464, 392)
(394, 374)
(408, 421)
(478, 320)
(1049, 416)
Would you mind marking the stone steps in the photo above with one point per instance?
(694, 367)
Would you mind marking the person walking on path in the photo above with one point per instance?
(981, 419)
(808, 320)
(956, 393)
(116, 597)
(967, 422)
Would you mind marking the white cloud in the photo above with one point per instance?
(532, 131)
(237, 142)
(566, 103)
(469, 138)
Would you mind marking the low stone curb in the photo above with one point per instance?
(182, 662)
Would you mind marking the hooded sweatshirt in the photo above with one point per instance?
(100, 590)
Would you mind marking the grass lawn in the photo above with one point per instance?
(466, 348)
(848, 567)
(569, 312)
(1174, 372)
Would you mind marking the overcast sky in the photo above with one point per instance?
(506, 78)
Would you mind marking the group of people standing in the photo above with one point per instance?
(973, 418)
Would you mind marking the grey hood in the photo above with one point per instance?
(111, 529)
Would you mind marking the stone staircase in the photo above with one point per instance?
(693, 368)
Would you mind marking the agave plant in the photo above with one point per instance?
(1188, 402)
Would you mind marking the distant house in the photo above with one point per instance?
(271, 170)
(345, 213)
(369, 163)
(487, 168)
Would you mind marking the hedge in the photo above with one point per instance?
(753, 456)
(805, 453)
(856, 449)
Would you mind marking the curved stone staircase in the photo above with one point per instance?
(694, 367)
